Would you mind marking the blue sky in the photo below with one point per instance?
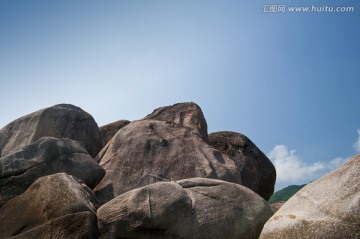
(289, 81)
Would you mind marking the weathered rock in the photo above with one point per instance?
(59, 121)
(46, 199)
(75, 226)
(185, 114)
(149, 151)
(326, 208)
(45, 157)
(190, 208)
(172, 144)
(109, 130)
(257, 171)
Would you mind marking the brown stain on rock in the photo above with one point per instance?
(291, 216)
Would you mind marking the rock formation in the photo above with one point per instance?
(58, 121)
(109, 130)
(45, 157)
(257, 172)
(52, 200)
(172, 144)
(326, 208)
(159, 177)
(191, 208)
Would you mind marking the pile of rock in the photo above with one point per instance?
(61, 176)
(159, 177)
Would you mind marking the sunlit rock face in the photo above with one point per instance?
(326, 208)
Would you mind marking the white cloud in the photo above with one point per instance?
(290, 168)
(357, 143)
(337, 162)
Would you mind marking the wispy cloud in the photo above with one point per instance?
(292, 169)
(337, 162)
(357, 143)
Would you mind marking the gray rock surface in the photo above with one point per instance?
(59, 121)
(183, 114)
(326, 208)
(191, 208)
(48, 198)
(109, 130)
(170, 144)
(257, 171)
(45, 157)
(149, 151)
(75, 226)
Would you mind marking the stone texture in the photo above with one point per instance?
(48, 198)
(59, 121)
(183, 114)
(150, 151)
(172, 144)
(257, 171)
(75, 226)
(45, 157)
(109, 130)
(190, 208)
(326, 208)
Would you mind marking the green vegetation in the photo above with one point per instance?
(285, 193)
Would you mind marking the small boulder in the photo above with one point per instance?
(192, 208)
(257, 171)
(326, 208)
(277, 205)
(48, 198)
(59, 121)
(45, 157)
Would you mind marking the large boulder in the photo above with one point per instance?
(59, 121)
(326, 208)
(48, 198)
(45, 157)
(183, 114)
(191, 208)
(257, 171)
(109, 130)
(79, 225)
(170, 144)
